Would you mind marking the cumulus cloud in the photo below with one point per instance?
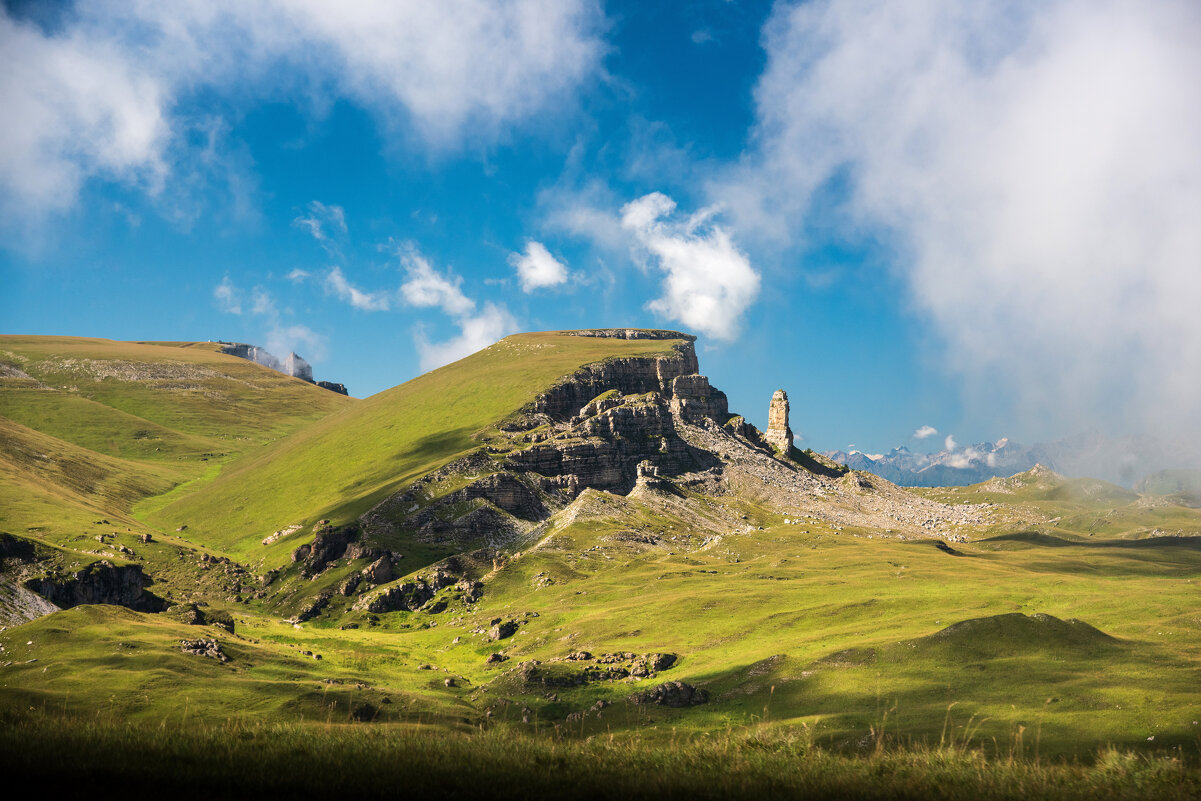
(709, 283)
(924, 432)
(536, 268)
(298, 275)
(98, 95)
(228, 298)
(1034, 167)
(335, 282)
(425, 287)
(949, 443)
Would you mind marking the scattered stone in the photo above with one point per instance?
(500, 631)
(209, 648)
(495, 659)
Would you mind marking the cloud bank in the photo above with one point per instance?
(536, 268)
(101, 95)
(1033, 166)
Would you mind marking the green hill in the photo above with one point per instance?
(339, 467)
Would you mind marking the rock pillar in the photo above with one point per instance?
(779, 435)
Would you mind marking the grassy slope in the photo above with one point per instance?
(221, 401)
(88, 427)
(340, 466)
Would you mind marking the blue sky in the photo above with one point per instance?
(983, 219)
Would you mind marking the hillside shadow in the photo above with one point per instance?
(1051, 541)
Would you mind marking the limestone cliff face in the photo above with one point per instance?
(629, 376)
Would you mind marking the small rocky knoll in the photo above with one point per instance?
(580, 668)
(420, 591)
(204, 647)
(675, 694)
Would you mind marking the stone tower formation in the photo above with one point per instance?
(779, 435)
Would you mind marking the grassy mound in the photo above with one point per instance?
(1016, 633)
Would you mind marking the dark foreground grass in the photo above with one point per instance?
(358, 761)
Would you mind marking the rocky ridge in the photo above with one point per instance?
(649, 428)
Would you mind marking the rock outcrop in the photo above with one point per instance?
(778, 434)
(292, 365)
(591, 430)
(332, 387)
(100, 583)
(676, 694)
(209, 648)
(298, 368)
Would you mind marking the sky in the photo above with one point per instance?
(931, 222)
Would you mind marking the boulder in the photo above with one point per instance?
(502, 630)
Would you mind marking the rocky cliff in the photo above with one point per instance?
(292, 364)
(591, 430)
(99, 583)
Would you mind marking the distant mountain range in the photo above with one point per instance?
(1122, 460)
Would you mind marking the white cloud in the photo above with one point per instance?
(1034, 167)
(323, 221)
(709, 283)
(336, 282)
(298, 275)
(99, 96)
(949, 443)
(425, 287)
(475, 333)
(536, 268)
(74, 107)
(228, 297)
(924, 432)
